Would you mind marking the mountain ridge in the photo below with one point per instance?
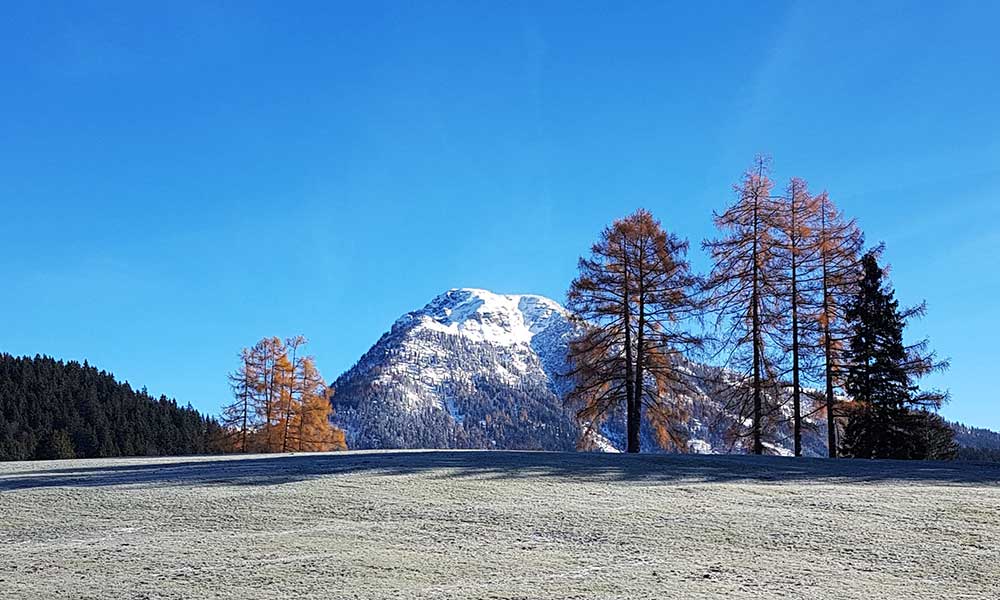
(478, 369)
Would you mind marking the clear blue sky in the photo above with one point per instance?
(179, 179)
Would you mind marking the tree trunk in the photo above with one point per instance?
(246, 402)
(831, 423)
(796, 386)
(288, 402)
(635, 427)
(268, 378)
(632, 445)
(758, 446)
(796, 389)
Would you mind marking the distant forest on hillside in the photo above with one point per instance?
(54, 409)
(976, 443)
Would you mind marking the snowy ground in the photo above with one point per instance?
(498, 525)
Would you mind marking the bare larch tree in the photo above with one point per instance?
(797, 268)
(634, 298)
(740, 290)
(839, 244)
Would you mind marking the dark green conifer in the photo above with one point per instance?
(885, 420)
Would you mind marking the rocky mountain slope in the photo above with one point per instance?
(475, 369)
(472, 369)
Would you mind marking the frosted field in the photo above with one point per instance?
(498, 525)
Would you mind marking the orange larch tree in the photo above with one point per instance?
(633, 298)
(281, 403)
(741, 290)
(839, 244)
(797, 276)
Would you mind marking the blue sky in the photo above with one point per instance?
(181, 179)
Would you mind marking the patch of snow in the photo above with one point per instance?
(483, 316)
(699, 446)
(603, 444)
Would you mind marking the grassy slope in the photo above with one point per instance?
(498, 524)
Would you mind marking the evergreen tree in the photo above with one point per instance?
(881, 376)
(932, 438)
(52, 409)
(57, 445)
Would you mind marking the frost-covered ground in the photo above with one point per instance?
(455, 524)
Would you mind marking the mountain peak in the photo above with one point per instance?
(484, 316)
(471, 369)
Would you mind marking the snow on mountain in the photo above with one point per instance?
(482, 316)
(470, 369)
(476, 369)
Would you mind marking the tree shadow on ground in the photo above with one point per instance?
(650, 469)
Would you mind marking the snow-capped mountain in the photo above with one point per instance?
(472, 369)
(475, 369)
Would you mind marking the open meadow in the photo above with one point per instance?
(478, 524)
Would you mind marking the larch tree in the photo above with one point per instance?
(741, 289)
(291, 389)
(238, 417)
(284, 413)
(281, 401)
(839, 244)
(314, 431)
(797, 276)
(633, 297)
(882, 373)
(268, 356)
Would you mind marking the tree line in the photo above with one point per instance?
(50, 409)
(796, 308)
(281, 403)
